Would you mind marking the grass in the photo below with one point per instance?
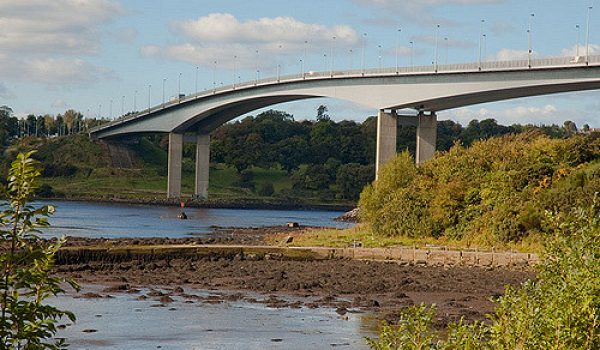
(361, 235)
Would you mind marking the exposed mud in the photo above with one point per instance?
(382, 287)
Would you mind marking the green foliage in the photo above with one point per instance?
(496, 190)
(27, 260)
(558, 310)
(266, 189)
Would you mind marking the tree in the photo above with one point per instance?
(27, 260)
(322, 113)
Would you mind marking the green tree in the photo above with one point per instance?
(27, 260)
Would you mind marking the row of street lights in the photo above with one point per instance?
(482, 43)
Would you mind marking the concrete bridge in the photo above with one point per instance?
(426, 90)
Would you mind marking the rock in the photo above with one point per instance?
(351, 216)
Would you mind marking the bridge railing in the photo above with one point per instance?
(486, 66)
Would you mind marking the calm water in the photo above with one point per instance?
(122, 322)
(110, 220)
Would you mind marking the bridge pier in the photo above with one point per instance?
(387, 129)
(174, 165)
(426, 137)
(202, 165)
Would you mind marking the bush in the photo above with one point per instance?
(497, 188)
(266, 189)
(559, 310)
(27, 260)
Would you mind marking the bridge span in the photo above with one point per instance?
(426, 90)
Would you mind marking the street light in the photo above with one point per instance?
(446, 43)
(331, 53)
(214, 77)
(398, 48)
(110, 109)
(380, 49)
(135, 101)
(256, 66)
(587, 37)
(163, 90)
(196, 81)
(123, 105)
(480, 39)
(412, 53)
(179, 86)
(279, 64)
(234, 70)
(437, 33)
(149, 88)
(530, 51)
(578, 28)
(364, 44)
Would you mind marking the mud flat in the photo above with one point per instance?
(378, 287)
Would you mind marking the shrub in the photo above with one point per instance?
(266, 189)
(27, 260)
(558, 310)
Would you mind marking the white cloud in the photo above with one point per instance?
(63, 26)
(47, 39)
(511, 55)
(572, 51)
(547, 114)
(225, 39)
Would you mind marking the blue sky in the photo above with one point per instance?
(81, 54)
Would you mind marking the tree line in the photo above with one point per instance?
(47, 125)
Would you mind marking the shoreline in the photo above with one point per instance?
(210, 204)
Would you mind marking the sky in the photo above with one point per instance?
(105, 57)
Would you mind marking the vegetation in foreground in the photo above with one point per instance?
(26, 321)
(559, 310)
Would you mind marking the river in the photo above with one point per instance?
(124, 322)
(108, 220)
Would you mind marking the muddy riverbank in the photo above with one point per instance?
(380, 287)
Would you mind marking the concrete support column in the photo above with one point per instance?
(387, 129)
(202, 165)
(426, 137)
(174, 165)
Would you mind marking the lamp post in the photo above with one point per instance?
(379, 52)
(437, 33)
(480, 39)
(99, 110)
(214, 77)
(587, 37)
(110, 109)
(331, 53)
(135, 101)
(123, 105)
(398, 49)
(578, 28)
(446, 44)
(234, 70)
(149, 89)
(304, 56)
(279, 65)
(530, 50)
(364, 45)
(412, 53)
(484, 48)
(256, 68)
(163, 90)
(196, 81)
